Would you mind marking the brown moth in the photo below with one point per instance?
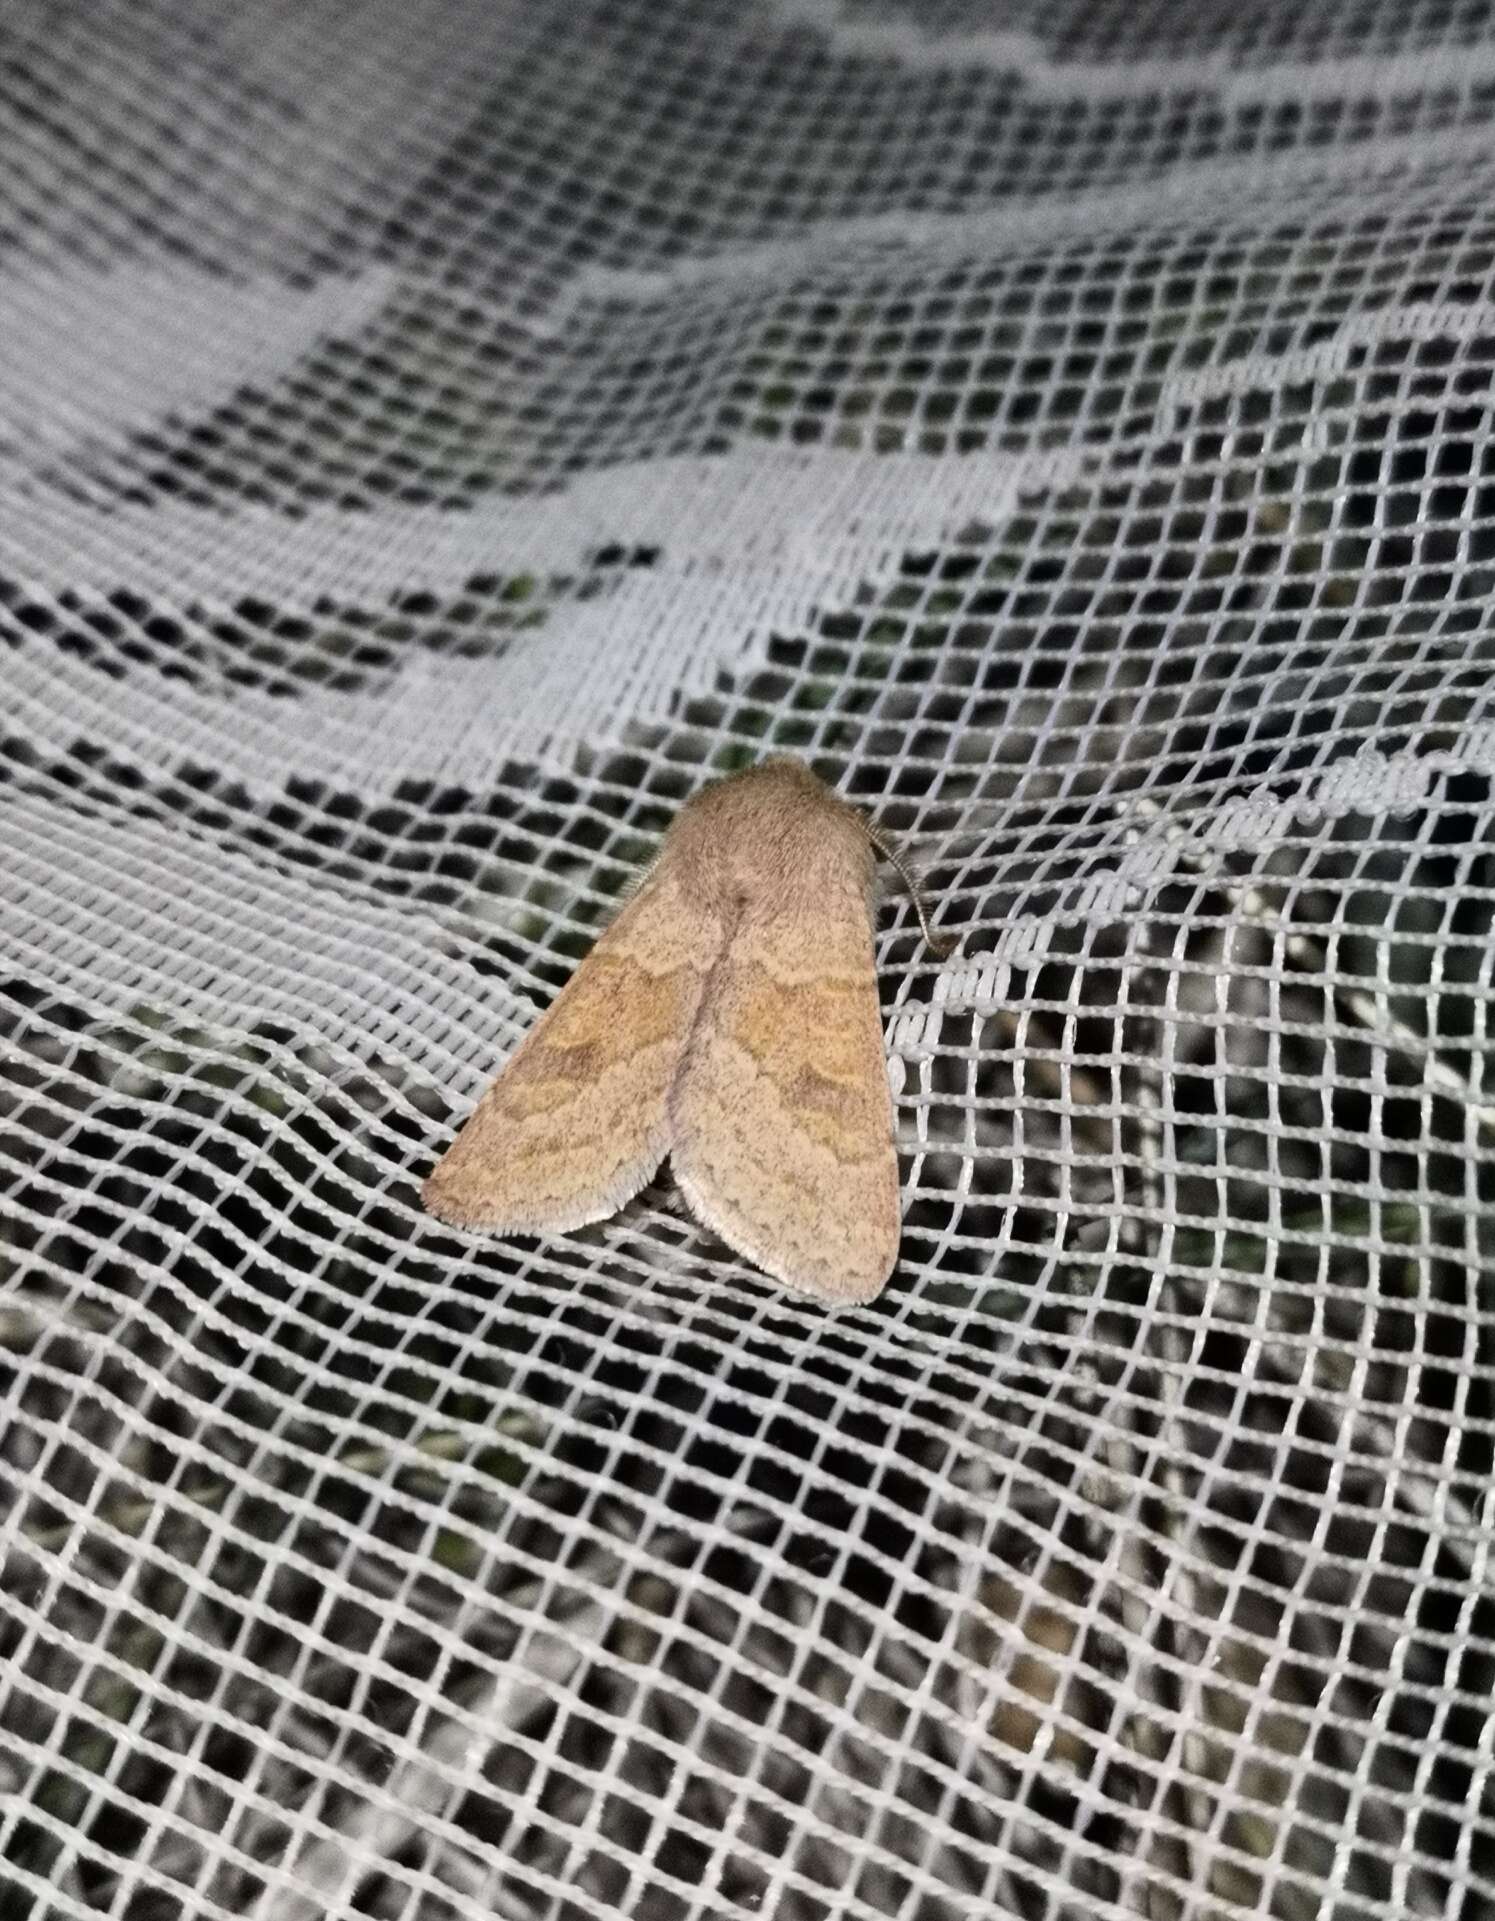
(728, 1018)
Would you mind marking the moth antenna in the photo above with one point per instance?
(636, 880)
(940, 945)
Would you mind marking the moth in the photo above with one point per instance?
(728, 1018)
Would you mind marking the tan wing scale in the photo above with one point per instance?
(577, 1121)
(783, 1123)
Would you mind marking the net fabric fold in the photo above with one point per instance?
(434, 440)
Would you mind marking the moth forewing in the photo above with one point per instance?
(577, 1121)
(782, 1118)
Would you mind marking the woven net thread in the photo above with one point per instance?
(432, 442)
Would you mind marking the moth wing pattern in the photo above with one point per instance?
(782, 1115)
(578, 1120)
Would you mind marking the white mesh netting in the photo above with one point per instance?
(433, 440)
